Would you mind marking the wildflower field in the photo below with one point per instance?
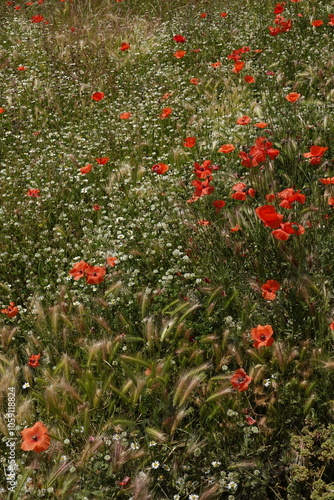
(166, 249)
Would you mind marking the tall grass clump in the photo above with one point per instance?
(166, 274)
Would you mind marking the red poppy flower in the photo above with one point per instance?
(241, 190)
(238, 65)
(258, 153)
(189, 142)
(249, 79)
(239, 195)
(223, 14)
(33, 193)
(165, 113)
(179, 54)
(261, 125)
(270, 197)
(315, 154)
(236, 54)
(269, 216)
(203, 187)
(250, 420)
(292, 97)
(279, 8)
(35, 438)
(243, 120)
(204, 222)
(21, 68)
(226, 148)
(262, 336)
(125, 116)
(33, 360)
(78, 270)
(11, 311)
(124, 46)
(193, 199)
(37, 19)
(96, 207)
(218, 204)
(241, 380)
(331, 19)
(103, 160)
(331, 201)
(166, 96)
(274, 31)
(327, 180)
(216, 64)
(235, 228)
(331, 326)
(94, 274)
(262, 144)
(284, 24)
(317, 22)
(292, 228)
(2, 110)
(202, 171)
(97, 96)
(279, 234)
(203, 15)
(269, 288)
(194, 81)
(86, 169)
(246, 159)
(160, 168)
(111, 261)
(179, 39)
(290, 196)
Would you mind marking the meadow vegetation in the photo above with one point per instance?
(166, 262)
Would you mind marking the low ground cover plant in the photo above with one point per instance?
(166, 274)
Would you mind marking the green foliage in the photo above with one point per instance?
(134, 378)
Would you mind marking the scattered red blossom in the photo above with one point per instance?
(240, 380)
(165, 113)
(35, 438)
(269, 288)
(97, 96)
(11, 311)
(262, 336)
(226, 148)
(34, 360)
(292, 97)
(33, 193)
(124, 46)
(189, 142)
(160, 168)
(179, 39)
